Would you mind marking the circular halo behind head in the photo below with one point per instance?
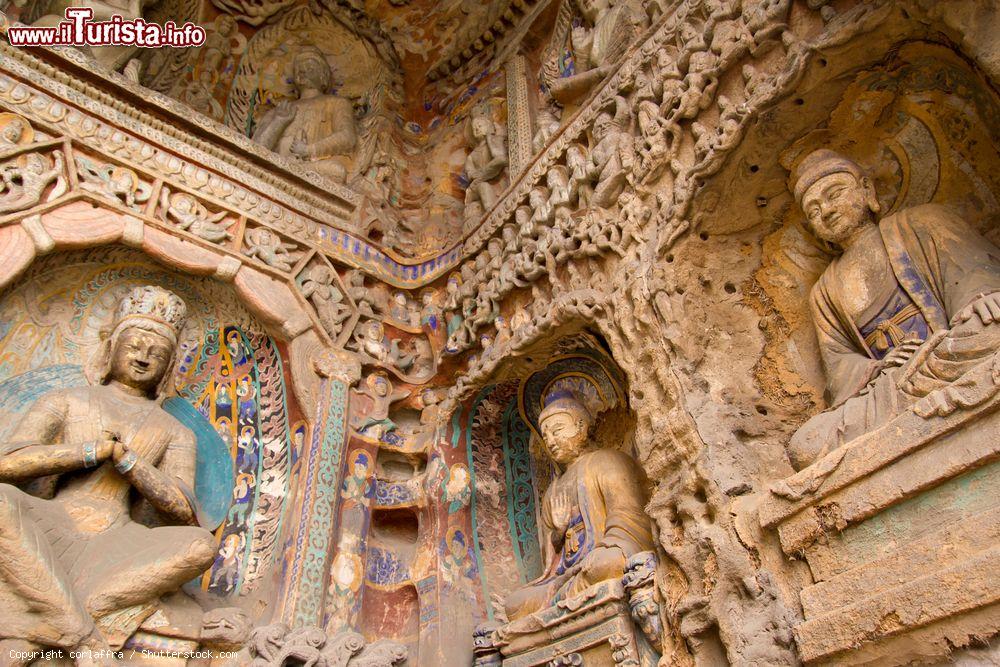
(586, 378)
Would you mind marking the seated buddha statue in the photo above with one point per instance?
(318, 128)
(910, 306)
(77, 571)
(592, 517)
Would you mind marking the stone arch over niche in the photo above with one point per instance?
(231, 387)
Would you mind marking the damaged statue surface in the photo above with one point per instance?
(71, 565)
(910, 306)
(317, 128)
(592, 518)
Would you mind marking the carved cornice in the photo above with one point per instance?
(518, 14)
(70, 75)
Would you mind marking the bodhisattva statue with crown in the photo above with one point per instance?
(910, 306)
(319, 127)
(592, 518)
(77, 571)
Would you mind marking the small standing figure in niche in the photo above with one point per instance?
(375, 422)
(318, 128)
(484, 164)
(557, 180)
(268, 247)
(633, 215)
(612, 156)
(581, 187)
(192, 216)
(547, 123)
(320, 287)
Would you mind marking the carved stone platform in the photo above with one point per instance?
(900, 529)
(593, 628)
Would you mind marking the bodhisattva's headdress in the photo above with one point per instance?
(816, 165)
(152, 309)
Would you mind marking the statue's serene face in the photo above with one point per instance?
(836, 207)
(140, 358)
(564, 434)
(590, 8)
(309, 73)
(481, 127)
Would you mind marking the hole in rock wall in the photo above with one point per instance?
(393, 466)
(396, 530)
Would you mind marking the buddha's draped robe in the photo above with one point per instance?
(605, 497)
(940, 265)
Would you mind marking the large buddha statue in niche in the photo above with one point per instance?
(910, 306)
(592, 517)
(318, 128)
(69, 564)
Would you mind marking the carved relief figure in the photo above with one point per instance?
(371, 340)
(190, 215)
(109, 180)
(547, 123)
(69, 564)
(318, 128)
(596, 44)
(484, 165)
(320, 287)
(911, 305)
(268, 247)
(592, 516)
(26, 177)
(612, 155)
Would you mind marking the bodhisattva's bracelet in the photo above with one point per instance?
(127, 462)
(89, 454)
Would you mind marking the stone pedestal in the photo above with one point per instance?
(900, 529)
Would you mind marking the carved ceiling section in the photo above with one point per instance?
(719, 67)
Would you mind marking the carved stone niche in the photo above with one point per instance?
(894, 508)
(593, 604)
(56, 318)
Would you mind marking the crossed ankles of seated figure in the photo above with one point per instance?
(76, 571)
(592, 515)
(911, 305)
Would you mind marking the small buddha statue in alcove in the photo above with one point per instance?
(592, 518)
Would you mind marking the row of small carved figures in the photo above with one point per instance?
(630, 146)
